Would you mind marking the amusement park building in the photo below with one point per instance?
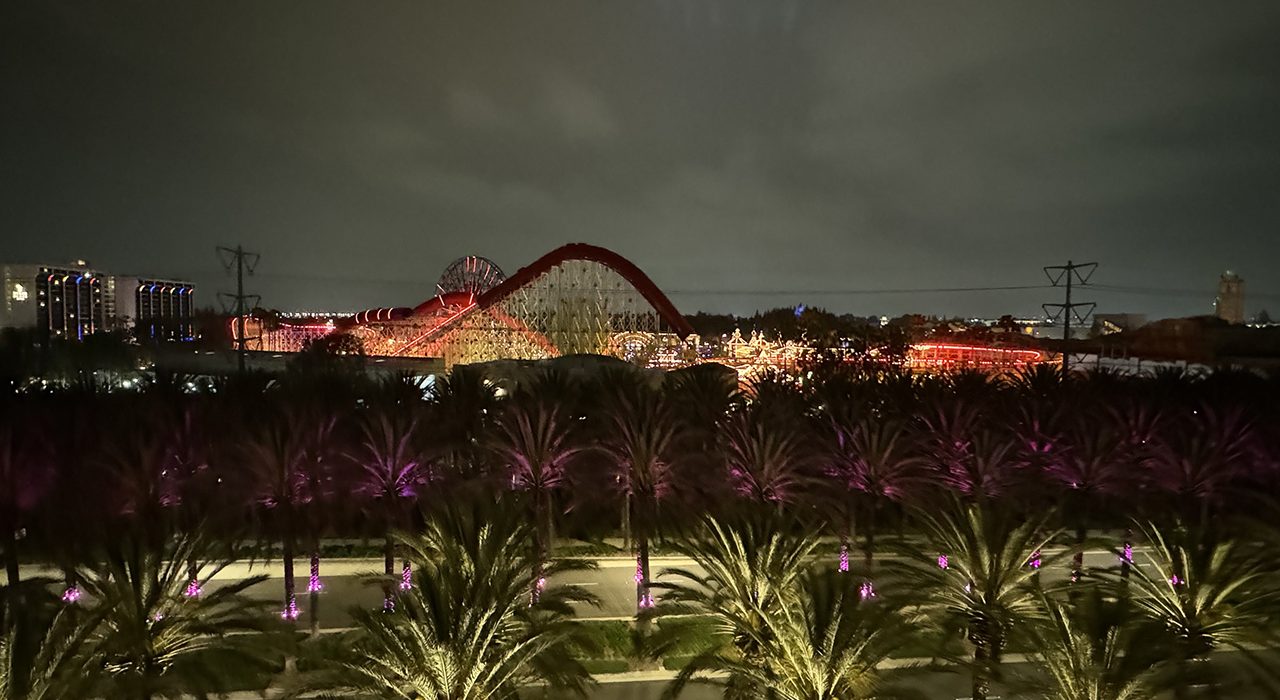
(577, 299)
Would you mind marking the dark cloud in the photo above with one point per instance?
(723, 145)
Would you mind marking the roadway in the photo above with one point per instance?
(347, 585)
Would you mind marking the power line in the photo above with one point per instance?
(1170, 291)
(835, 292)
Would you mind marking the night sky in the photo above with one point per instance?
(725, 146)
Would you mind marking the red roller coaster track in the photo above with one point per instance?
(573, 251)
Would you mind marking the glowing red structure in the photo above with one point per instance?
(577, 299)
(940, 357)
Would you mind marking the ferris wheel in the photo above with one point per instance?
(472, 274)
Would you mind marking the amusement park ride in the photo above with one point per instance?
(577, 299)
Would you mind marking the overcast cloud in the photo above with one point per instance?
(725, 146)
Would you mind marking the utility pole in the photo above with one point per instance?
(1067, 275)
(242, 260)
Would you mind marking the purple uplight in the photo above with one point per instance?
(646, 601)
(844, 558)
(388, 604)
(943, 562)
(313, 584)
(1175, 580)
(406, 577)
(867, 590)
(290, 611)
(193, 588)
(71, 595)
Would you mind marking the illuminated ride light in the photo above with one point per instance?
(453, 317)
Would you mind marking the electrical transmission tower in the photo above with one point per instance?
(239, 303)
(1069, 275)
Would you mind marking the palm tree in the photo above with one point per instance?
(970, 458)
(879, 459)
(25, 475)
(1092, 467)
(984, 578)
(153, 639)
(535, 444)
(47, 661)
(1093, 649)
(392, 472)
(828, 644)
(463, 410)
(1209, 594)
(701, 398)
(766, 459)
(464, 631)
(750, 575)
(1200, 457)
(639, 442)
(281, 454)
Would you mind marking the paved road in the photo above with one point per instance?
(935, 684)
(349, 587)
(346, 585)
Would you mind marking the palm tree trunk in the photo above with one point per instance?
(313, 587)
(981, 683)
(287, 554)
(1077, 562)
(388, 566)
(12, 574)
(643, 599)
(539, 548)
(1082, 532)
(1126, 554)
(1181, 678)
(626, 522)
(869, 539)
(291, 599)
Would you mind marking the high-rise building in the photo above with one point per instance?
(62, 301)
(159, 309)
(1229, 306)
(69, 302)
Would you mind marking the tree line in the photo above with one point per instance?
(833, 459)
